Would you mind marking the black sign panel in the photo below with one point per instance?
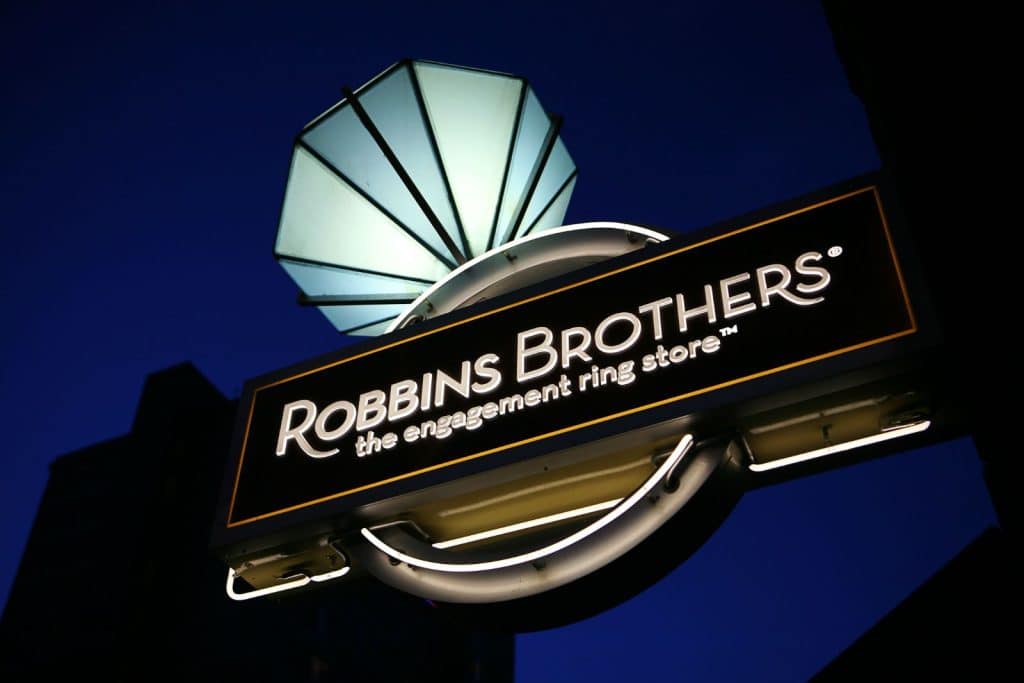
(796, 289)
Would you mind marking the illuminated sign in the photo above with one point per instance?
(635, 340)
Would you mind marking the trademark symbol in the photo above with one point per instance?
(726, 331)
(835, 251)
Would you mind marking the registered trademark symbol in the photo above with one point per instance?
(835, 251)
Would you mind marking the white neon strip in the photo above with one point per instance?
(327, 576)
(528, 524)
(299, 582)
(677, 454)
(397, 322)
(260, 592)
(845, 446)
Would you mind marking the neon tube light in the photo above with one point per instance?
(681, 449)
(299, 581)
(528, 524)
(327, 576)
(905, 430)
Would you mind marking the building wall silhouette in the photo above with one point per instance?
(117, 579)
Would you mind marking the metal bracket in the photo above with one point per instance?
(292, 581)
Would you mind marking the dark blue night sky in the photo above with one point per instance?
(145, 153)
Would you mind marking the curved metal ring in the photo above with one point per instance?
(409, 564)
